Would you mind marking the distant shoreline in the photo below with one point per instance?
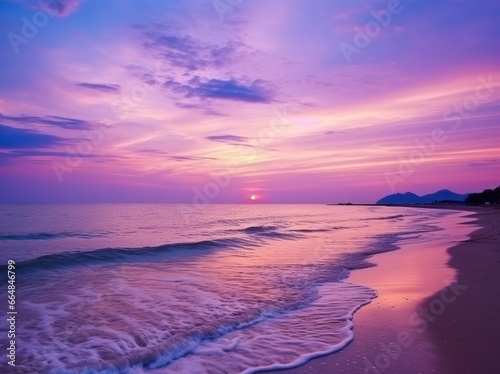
(465, 208)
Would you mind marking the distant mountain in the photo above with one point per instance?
(400, 198)
(443, 195)
(411, 198)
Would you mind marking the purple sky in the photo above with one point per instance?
(289, 100)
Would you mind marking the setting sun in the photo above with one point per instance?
(253, 197)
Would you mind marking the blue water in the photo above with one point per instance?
(126, 288)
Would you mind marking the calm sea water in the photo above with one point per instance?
(125, 288)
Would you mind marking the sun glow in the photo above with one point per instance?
(253, 197)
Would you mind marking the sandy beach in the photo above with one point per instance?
(438, 309)
(468, 338)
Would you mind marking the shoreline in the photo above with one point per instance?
(469, 337)
(427, 317)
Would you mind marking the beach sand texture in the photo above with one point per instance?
(438, 309)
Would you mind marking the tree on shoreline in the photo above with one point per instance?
(487, 196)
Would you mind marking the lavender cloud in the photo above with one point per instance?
(14, 138)
(256, 91)
(57, 121)
(227, 138)
(105, 88)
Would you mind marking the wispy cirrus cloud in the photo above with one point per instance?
(207, 109)
(198, 68)
(57, 121)
(188, 158)
(105, 88)
(174, 157)
(190, 53)
(228, 138)
(14, 155)
(256, 91)
(485, 163)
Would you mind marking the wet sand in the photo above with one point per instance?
(438, 309)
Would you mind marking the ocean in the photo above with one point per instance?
(138, 288)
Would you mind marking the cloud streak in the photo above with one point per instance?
(256, 91)
(174, 157)
(57, 121)
(189, 53)
(105, 88)
(227, 138)
(14, 138)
